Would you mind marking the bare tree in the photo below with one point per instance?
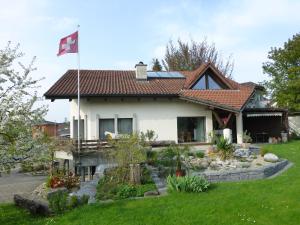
(187, 56)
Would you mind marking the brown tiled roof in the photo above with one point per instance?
(227, 99)
(124, 83)
(111, 82)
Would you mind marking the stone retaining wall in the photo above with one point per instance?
(244, 174)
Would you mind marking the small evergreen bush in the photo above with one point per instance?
(224, 148)
(200, 154)
(126, 191)
(58, 202)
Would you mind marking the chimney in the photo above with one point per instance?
(141, 71)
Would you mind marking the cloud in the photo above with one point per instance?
(245, 29)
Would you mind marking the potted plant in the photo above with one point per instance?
(179, 171)
(246, 140)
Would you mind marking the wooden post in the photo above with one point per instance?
(135, 174)
(82, 173)
(89, 172)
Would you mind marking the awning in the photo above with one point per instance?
(264, 114)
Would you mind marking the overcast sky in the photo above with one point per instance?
(118, 34)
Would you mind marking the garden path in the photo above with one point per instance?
(159, 182)
(18, 183)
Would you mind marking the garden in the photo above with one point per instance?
(265, 202)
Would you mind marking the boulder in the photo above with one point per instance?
(241, 153)
(270, 157)
(151, 193)
(35, 207)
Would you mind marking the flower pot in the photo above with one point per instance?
(179, 173)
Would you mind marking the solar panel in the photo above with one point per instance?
(165, 74)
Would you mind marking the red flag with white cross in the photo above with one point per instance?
(68, 44)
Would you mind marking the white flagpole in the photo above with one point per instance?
(78, 101)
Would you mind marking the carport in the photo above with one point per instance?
(263, 123)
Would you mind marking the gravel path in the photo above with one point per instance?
(159, 182)
(17, 183)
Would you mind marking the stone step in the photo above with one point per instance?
(162, 191)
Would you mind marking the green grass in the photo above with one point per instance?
(271, 201)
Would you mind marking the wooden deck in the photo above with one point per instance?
(87, 146)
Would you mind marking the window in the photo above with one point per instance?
(201, 84)
(75, 129)
(124, 125)
(207, 82)
(106, 125)
(191, 129)
(212, 84)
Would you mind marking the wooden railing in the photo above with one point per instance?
(90, 145)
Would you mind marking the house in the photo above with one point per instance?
(52, 129)
(180, 106)
(48, 128)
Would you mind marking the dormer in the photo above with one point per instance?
(209, 78)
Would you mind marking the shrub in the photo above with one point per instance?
(263, 151)
(187, 184)
(146, 176)
(48, 182)
(27, 167)
(129, 150)
(149, 136)
(247, 137)
(190, 154)
(141, 189)
(56, 182)
(58, 202)
(71, 181)
(200, 154)
(224, 148)
(168, 152)
(126, 191)
(84, 199)
(151, 157)
(106, 189)
(73, 202)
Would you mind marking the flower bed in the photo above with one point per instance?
(115, 185)
(219, 163)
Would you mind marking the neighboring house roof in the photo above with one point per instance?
(45, 122)
(124, 83)
(252, 84)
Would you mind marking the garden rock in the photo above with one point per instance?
(41, 191)
(35, 207)
(241, 153)
(270, 157)
(151, 193)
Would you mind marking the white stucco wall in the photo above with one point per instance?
(158, 115)
(294, 124)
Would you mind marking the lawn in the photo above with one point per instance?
(271, 201)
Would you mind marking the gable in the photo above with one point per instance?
(209, 80)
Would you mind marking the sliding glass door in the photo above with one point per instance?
(191, 129)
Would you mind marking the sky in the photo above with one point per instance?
(118, 34)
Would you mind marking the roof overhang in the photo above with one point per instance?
(210, 103)
(269, 114)
(73, 96)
